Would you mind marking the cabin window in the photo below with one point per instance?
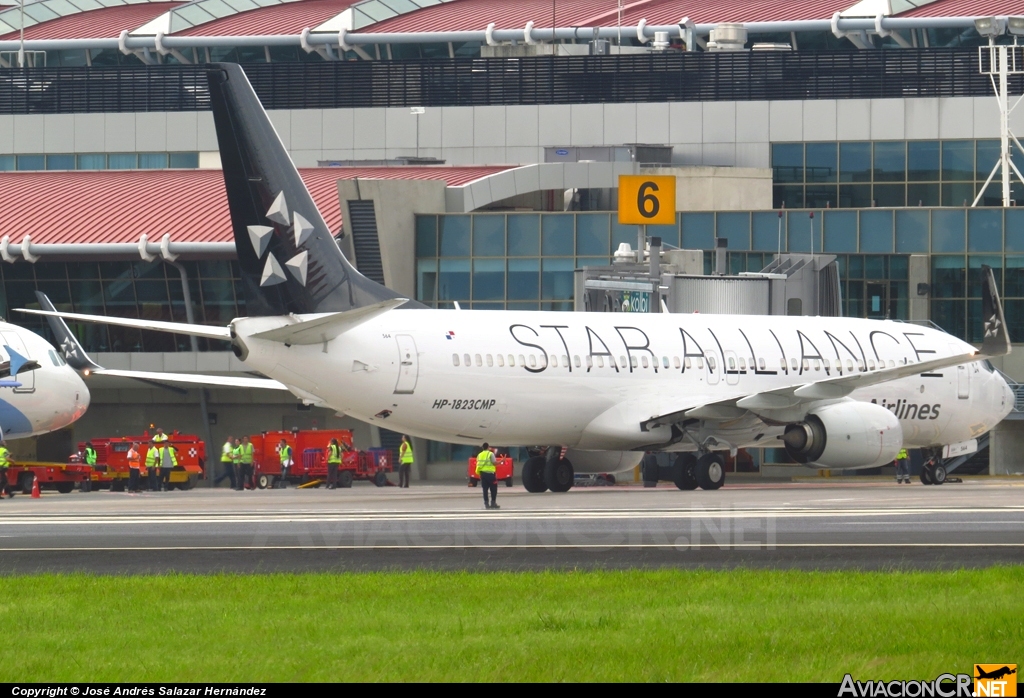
(688, 363)
(490, 361)
(849, 364)
(732, 364)
(512, 360)
(590, 362)
(522, 360)
(664, 362)
(632, 362)
(782, 363)
(806, 365)
(675, 362)
(743, 364)
(533, 361)
(711, 363)
(892, 364)
(871, 364)
(553, 361)
(479, 362)
(576, 360)
(465, 358)
(643, 361)
(793, 363)
(760, 364)
(817, 365)
(501, 360)
(455, 359)
(565, 361)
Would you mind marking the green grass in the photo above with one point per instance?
(574, 626)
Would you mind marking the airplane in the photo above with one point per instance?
(597, 389)
(39, 392)
(996, 673)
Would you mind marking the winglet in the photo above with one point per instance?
(67, 343)
(996, 340)
(17, 361)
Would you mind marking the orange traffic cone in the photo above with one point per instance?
(35, 487)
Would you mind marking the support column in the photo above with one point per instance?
(919, 272)
(1006, 443)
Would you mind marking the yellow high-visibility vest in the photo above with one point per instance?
(405, 453)
(485, 463)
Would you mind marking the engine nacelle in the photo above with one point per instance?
(596, 462)
(845, 435)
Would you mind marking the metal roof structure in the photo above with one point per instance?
(463, 15)
(289, 18)
(89, 24)
(108, 211)
(979, 8)
(49, 10)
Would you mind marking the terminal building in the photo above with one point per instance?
(467, 151)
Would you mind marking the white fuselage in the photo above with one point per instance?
(48, 398)
(587, 380)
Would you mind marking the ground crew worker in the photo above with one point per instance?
(405, 461)
(487, 471)
(89, 456)
(161, 455)
(902, 467)
(285, 452)
(152, 467)
(246, 452)
(134, 467)
(333, 463)
(5, 462)
(160, 436)
(227, 463)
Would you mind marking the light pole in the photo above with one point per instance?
(417, 112)
(1002, 62)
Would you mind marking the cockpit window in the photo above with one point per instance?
(53, 357)
(988, 366)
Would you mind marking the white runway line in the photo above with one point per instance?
(527, 546)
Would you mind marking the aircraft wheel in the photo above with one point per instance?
(533, 475)
(264, 481)
(682, 471)
(65, 487)
(939, 474)
(117, 486)
(710, 471)
(345, 478)
(25, 482)
(559, 475)
(926, 475)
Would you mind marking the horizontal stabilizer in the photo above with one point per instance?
(208, 331)
(213, 381)
(326, 327)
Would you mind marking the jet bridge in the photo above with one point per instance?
(672, 280)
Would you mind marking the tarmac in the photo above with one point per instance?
(855, 523)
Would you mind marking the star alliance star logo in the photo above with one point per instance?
(992, 326)
(69, 349)
(259, 236)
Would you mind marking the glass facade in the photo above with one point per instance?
(150, 290)
(525, 261)
(865, 174)
(100, 161)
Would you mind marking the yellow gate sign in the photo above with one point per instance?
(647, 199)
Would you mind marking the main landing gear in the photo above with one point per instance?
(688, 472)
(548, 472)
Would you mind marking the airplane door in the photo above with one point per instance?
(28, 378)
(714, 368)
(408, 368)
(731, 368)
(963, 382)
(963, 379)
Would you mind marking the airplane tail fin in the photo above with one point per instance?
(996, 340)
(67, 343)
(290, 262)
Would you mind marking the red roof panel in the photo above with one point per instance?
(468, 15)
(117, 206)
(968, 8)
(289, 18)
(103, 23)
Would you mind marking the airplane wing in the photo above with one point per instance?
(327, 327)
(76, 357)
(996, 343)
(208, 331)
(198, 379)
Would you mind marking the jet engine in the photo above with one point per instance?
(845, 435)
